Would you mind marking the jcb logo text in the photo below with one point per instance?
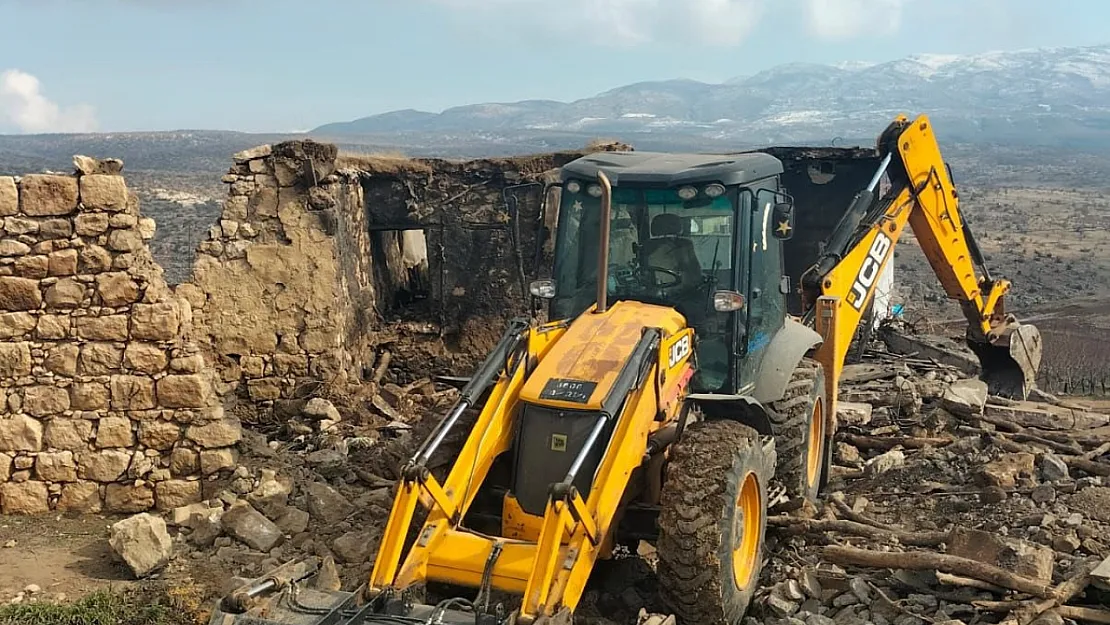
(870, 270)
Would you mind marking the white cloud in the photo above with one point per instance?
(848, 19)
(626, 23)
(23, 106)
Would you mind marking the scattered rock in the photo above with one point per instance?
(326, 505)
(966, 397)
(1005, 471)
(1021, 557)
(142, 542)
(885, 462)
(249, 526)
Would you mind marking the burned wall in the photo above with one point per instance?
(822, 182)
(320, 265)
(105, 402)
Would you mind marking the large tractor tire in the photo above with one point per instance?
(712, 520)
(800, 424)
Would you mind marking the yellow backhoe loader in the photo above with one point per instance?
(666, 397)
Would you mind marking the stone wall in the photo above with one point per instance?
(320, 264)
(106, 403)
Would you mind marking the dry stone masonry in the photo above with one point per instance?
(319, 260)
(105, 403)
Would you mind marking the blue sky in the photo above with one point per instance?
(283, 65)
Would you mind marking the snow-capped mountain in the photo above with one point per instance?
(1046, 95)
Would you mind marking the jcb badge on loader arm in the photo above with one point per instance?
(669, 396)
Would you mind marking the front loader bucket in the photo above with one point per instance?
(297, 593)
(1010, 362)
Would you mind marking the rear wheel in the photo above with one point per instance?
(712, 521)
(800, 424)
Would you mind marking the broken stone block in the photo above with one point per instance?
(1017, 556)
(292, 521)
(131, 392)
(853, 413)
(143, 543)
(27, 498)
(320, 408)
(326, 505)
(249, 526)
(1053, 468)
(965, 397)
(184, 461)
(183, 516)
(355, 547)
(1005, 471)
(99, 359)
(206, 528)
(885, 462)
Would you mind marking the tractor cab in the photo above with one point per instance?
(697, 232)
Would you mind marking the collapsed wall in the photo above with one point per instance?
(321, 265)
(105, 402)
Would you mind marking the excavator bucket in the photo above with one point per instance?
(1011, 361)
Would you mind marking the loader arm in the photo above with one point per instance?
(842, 283)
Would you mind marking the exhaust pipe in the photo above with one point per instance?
(603, 252)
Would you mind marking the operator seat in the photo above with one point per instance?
(668, 249)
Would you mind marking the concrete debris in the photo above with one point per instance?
(142, 543)
(1019, 556)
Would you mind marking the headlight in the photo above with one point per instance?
(715, 190)
(574, 186)
(543, 289)
(594, 190)
(688, 193)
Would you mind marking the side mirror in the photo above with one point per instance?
(543, 289)
(782, 220)
(727, 301)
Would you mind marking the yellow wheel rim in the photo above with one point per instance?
(750, 513)
(816, 442)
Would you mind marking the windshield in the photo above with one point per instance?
(662, 250)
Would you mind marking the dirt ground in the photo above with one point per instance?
(912, 467)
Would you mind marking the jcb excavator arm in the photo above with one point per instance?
(837, 289)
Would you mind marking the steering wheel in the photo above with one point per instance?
(676, 277)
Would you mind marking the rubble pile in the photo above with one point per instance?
(945, 504)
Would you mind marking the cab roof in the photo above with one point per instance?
(666, 169)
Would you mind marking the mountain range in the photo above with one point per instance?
(1046, 96)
